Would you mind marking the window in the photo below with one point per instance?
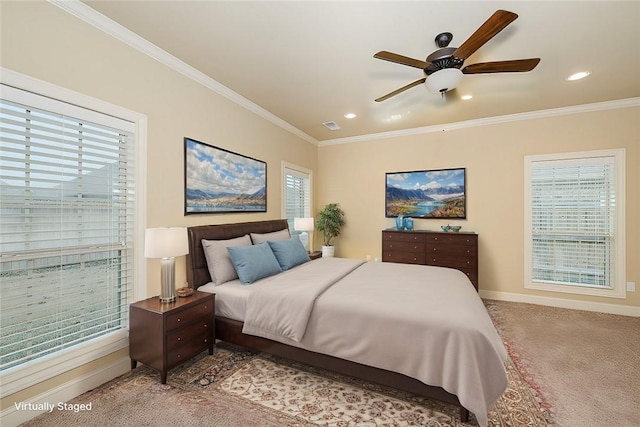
(68, 208)
(574, 223)
(296, 193)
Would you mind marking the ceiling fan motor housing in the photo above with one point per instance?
(441, 59)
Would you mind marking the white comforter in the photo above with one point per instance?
(424, 322)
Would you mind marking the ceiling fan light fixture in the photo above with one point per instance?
(578, 76)
(443, 80)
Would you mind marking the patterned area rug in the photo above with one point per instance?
(235, 387)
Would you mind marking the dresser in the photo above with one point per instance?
(164, 335)
(455, 250)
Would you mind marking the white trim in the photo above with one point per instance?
(107, 25)
(554, 112)
(618, 289)
(25, 376)
(65, 392)
(41, 369)
(623, 310)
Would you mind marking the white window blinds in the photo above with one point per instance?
(573, 219)
(297, 195)
(67, 207)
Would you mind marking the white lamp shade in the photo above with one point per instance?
(443, 80)
(303, 224)
(165, 242)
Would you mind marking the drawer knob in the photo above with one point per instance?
(179, 356)
(205, 307)
(205, 325)
(178, 319)
(206, 340)
(415, 259)
(179, 339)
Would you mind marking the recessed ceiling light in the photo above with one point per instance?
(578, 76)
(349, 115)
(466, 97)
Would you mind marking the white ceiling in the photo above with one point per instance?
(308, 62)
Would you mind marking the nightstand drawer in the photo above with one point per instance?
(189, 315)
(187, 351)
(200, 328)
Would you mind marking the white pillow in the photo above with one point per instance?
(221, 268)
(264, 237)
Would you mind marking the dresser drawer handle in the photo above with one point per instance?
(179, 356)
(468, 262)
(206, 340)
(415, 259)
(205, 325)
(178, 319)
(205, 307)
(179, 339)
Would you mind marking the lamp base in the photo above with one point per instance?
(167, 279)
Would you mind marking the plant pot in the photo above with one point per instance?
(328, 251)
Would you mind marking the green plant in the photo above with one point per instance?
(330, 221)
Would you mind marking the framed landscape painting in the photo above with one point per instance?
(439, 193)
(220, 181)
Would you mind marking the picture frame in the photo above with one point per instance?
(432, 194)
(217, 180)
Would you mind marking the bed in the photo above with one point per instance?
(448, 350)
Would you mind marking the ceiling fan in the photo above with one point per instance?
(442, 68)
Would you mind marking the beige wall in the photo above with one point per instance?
(42, 41)
(493, 155)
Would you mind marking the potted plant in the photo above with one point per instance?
(330, 221)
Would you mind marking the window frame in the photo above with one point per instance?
(618, 288)
(33, 372)
(299, 170)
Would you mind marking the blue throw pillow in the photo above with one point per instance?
(254, 262)
(289, 253)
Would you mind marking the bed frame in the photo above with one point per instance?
(230, 331)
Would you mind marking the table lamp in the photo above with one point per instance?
(166, 243)
(304, 225)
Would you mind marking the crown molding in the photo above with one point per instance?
(108, 26)
(554, 112)
(112, 28)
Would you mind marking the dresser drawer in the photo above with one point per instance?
(400, 236)
(189, 315)
(452, 261)
(404, 257)
(457, 240)
(198, 329)
(448, 248)
(399, 246)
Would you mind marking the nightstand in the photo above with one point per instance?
(315, 255)
(164, 335)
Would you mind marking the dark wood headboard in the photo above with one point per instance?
(197, 270)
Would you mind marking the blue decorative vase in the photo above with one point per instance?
(408, 224)
(400, 222)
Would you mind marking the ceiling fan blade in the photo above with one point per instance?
(402, 89)
(492, 26)
(514, 66)
(400, 59)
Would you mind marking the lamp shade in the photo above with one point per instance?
(303, 224)
(443, 80)
(165, 242)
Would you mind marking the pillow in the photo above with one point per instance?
(289, 253)
(254, 262)
(276, 235)
(221, 268)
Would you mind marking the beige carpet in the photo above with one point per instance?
(585, 365)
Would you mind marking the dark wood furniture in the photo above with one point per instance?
(231, 330)
(315, 255)
(457, 250)
(164, 335)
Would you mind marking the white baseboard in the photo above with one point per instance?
(12, 416)
(624, 310)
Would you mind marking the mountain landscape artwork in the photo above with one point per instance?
(219, 181)
(426, 194)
